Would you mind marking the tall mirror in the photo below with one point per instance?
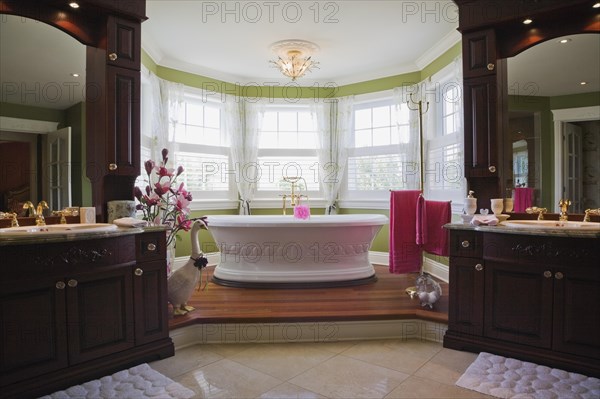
(552, 146)
(42, 116)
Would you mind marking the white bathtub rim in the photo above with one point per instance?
(290, 221)
(286, 276)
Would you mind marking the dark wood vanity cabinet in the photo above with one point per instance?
(535, 298)
(75, 311)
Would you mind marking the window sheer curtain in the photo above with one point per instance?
(243, 120)
(433, 91)
(409, 142)
(166, 100)
(334, 119)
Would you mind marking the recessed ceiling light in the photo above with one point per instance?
(563, 41)
(597, 5)
(74, 4)
(527, 21)
(75, 75)
(583, 83)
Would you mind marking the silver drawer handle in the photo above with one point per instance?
(72, 283)
(151, 247)
(491, 66)
(138, 272)
(492, 169)
(60, 285)
(479, 267)
(465, 244)
(113, 56)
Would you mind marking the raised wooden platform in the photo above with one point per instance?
(384, 299)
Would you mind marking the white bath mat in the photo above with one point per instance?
(504, 377)
(138, 382)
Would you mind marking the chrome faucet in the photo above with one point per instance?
(589, 212)
(564, 207)
(539, 211)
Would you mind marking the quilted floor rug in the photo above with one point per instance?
(510, 378)
(138, 382)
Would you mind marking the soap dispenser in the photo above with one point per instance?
(470, 203)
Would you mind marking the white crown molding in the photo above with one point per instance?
(438, 49)
(26, 125)
(153, 51)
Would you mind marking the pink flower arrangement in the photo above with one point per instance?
(301, 212)
(165, 201)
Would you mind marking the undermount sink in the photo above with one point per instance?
(552, 224)
(58, 229)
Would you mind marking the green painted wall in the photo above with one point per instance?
(35, 113)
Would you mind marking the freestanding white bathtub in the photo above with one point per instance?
(270, 251)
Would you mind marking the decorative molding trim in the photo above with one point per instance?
(438, 49)
(75, 256)
(26, 125)
(325, 331)
(436, 269)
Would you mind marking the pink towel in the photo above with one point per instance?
(405, 254)
(523, 198)
(437, 214)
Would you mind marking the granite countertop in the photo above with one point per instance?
(502, 229)
(41, 238)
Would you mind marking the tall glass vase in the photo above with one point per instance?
(170, 254)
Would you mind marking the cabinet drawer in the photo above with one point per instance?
(151, 246)
(540, 249)
(465, 243)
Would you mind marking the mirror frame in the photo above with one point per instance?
(503, 23)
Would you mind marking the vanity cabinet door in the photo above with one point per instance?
(479, 53)
(123, 47)
(123, 118)
(150, 298)
(32, 328)
(481, 149)
(466, 289)
(577, 310)
(100, 313)
(519, 303)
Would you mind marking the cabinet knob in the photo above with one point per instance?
(479, 267)
(491, 66)
(558, 276)
(465, 244)
(60, 285)
(151, 247)
(547, 274)
(112, 166)
(112, 56)
(492, 169)
(138, 272)
(72, 283)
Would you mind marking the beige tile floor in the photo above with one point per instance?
(358, 369)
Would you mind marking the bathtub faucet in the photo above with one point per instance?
(294, 197)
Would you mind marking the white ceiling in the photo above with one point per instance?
(359, 39)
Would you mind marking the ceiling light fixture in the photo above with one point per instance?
(527, 21)
(597, 5)
(563, 41)
(74, 4)
(75, 75)
(294, 57)
(583, 83)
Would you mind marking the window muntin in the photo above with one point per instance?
(287, 148)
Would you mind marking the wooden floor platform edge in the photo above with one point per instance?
(316, 332)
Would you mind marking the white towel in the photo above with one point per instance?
(130, 222)
(490, 220)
